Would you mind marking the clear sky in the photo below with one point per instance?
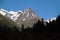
(44, 8)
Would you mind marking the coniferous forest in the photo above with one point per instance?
(39, 31)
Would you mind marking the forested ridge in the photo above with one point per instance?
(39, 31)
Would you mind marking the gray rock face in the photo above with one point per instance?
(27, 18)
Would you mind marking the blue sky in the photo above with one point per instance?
(44, 8)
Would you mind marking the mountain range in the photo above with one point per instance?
(27, 18)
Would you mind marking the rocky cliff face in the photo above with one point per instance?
(28, 17)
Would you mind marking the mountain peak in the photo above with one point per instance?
(3, 12)
(30, 13)
(29, 10)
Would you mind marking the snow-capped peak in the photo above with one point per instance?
(3, 12)
(19, 11)
(51, 19)
(11, 14)
(30, 13)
